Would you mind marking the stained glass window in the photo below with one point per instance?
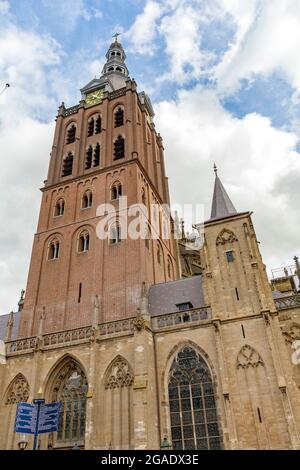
(194, 423)
(70, 389)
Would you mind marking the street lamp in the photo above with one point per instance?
(22, 444)
(165, 445)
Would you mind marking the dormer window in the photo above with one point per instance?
(184, 306)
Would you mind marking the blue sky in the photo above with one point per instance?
(224, 78)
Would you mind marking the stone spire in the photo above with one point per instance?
(221, 204)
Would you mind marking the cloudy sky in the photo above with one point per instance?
(224, 78)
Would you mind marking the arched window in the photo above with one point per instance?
(17, 391)
(118, 69)
(143, 196)
(59, 208)
(118, 382)
(110, 69)
(170, 268)
(88, 158)
(98, 125)
(96, 155)
(84, 241)
(70, 388)
(91, 125)
(147, 237)
(53, 251)
(119, 117)
(115, 234)
(194, 422)
(71, 133)
(116, 191)
(67, 165)
(119, 148)
(87, 200)
(158, 254)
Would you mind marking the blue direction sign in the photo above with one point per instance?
(28, 414)
(26, 418)
(48, 417)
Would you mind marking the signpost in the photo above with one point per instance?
(37, 418)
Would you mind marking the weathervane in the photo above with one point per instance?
(215, 169)
(116, 36)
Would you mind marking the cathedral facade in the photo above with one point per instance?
(144, 341)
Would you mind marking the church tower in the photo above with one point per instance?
(104, 147)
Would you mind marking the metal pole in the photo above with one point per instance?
(38, 402)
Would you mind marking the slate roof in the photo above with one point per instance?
(164, 297)
(221, 204)
(3, 323)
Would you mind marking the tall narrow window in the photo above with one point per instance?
(116, 191)
(59, 208)
(115, 234)
(91, 125)
(79, 292)
(229, 256)
(98, 125)
(70, 389)
(88, 158)
(194, 422)
(84, 242)
(67, 165)
(119, 148)
(87, 200)
(143, 196)
(71, 133)
(96, 155)
(119, 117)
(158, 254)
(53, 252)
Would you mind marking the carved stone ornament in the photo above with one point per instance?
(18, 390)
(293, 333)
(120, 374)
(226, 236)
(139, 323)
(248, 357)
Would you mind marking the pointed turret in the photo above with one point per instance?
(221, 204)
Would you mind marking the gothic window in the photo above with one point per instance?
(91, 125)
(53, 251)
(194, 422)
(71, 132)
(118, 397)
(18, 390)
(98, 125)
(116, 191)
(87, 200)
(119, 117)
(88, 158)
(70, 388)
(119, 148)
(115, 234)
(119, 374)
(67, 165)
(229, 256)
(96, 155)
(84, 242)
(59, 208)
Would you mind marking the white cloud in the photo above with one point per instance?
(25, 143)
(254, 160)
(4, 7)
(267, 40)
(71, 11)
(144, 29)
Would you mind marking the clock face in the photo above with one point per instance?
(94, 97)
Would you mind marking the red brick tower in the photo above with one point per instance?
(104, 147)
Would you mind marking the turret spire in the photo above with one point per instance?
(221, 203)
